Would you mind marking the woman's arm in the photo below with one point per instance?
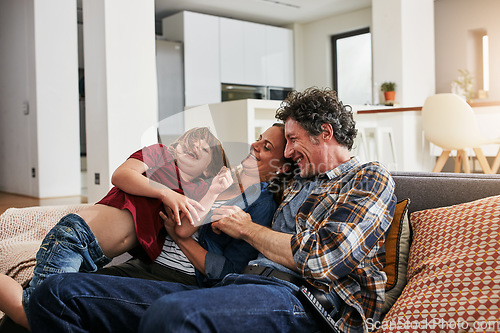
(193, 251)
(129, 178)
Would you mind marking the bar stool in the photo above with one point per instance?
(374, 142)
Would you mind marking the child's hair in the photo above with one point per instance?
(192, 136)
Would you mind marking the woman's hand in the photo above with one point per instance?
(180, 204)
(221, 181)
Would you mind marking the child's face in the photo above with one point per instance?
(194, 160)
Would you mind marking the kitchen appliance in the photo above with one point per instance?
(170, 76)
(231, 92)
(277, 93)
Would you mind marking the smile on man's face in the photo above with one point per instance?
(303, 149)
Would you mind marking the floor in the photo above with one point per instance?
(8, 200)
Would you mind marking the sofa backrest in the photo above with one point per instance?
(430, 190)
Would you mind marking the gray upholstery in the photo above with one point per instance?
(430, 190)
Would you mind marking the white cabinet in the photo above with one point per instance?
(221, 50)
(256, 54)
(279, 57)
(232, 51)
(200, 36)
(243, 52)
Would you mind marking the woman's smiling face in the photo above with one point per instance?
(266, 154)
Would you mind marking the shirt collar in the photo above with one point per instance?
(343, 168)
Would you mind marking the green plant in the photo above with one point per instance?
(463, 85)
(388, 86)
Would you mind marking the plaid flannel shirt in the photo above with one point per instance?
(341, 230)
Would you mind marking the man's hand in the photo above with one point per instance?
(233, 221)
(273, 244)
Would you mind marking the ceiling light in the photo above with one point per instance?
(281, 3)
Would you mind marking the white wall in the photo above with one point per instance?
(120, 85)
(455, 19)
(39, 67)
(15, 128)
(403, 48)
(56, 63)
(313, 66)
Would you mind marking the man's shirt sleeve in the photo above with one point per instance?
(339, 230)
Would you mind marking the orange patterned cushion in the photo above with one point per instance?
(453, 272)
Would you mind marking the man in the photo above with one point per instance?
(327, 235)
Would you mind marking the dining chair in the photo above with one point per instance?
(448, 121)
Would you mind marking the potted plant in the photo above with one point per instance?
(389, 89)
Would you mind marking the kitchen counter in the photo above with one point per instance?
(413, 152)
(365, 109)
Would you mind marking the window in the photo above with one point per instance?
(352, 66)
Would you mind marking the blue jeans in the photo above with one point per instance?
(97, 303)
(70, 246)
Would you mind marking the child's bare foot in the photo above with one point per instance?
(11, 300)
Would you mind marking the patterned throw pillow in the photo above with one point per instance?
(397, 248)
(453, 272)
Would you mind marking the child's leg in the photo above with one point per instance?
(70, 246)
(11, 300)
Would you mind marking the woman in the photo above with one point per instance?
(208, 257)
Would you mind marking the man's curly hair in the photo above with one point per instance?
(314, 107)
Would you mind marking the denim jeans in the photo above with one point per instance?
(70, 246)
(97, 303)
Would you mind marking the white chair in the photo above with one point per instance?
(449, 123)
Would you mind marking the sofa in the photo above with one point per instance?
(442, 253)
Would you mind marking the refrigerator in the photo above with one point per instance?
(170, 78)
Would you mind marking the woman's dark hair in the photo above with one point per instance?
(278, 184)
(314, 107)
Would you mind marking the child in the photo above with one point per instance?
(129, 215)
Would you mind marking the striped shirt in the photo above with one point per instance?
(171, 255)
(340, 232)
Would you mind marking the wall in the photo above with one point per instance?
(455, 21)
(313, 64)
(16, 129)
(120, 85)
(403, 48)
(39, 68)
(402, 42)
